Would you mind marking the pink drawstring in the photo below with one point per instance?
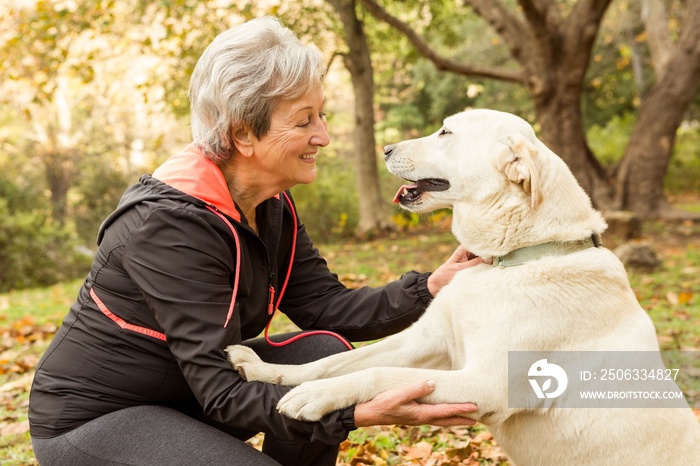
(284, 287)
(238, 263)
(272, 307)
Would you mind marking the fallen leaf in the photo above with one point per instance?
(419, 450)
(15, 428)
(672, 298)
(483, 437)
(23, 382)
(462, 453)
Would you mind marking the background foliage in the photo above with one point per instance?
(94, 95)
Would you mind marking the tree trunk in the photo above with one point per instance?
(374, 211)
(556, 58)
(561, 129)
(59, 176)
(641, 174)
(53, 130)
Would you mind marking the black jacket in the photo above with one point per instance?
(167, 264)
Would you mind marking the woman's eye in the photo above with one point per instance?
(307, 122)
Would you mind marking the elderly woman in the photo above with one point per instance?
(197, 257)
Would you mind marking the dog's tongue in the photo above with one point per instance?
(402, 190)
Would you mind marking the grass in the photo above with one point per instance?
(670, 294)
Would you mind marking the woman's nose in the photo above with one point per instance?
(320, 136)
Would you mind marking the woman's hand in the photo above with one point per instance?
(459, 260)
(399, 406)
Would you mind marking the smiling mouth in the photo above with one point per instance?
(410, 193)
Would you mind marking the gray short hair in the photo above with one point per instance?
(240, 77)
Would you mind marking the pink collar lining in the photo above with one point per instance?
(192, 173)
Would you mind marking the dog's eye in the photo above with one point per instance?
(444, 131)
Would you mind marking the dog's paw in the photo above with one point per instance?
(249, 365)
(310, 401)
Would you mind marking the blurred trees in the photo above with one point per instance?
(550, 44)
(77, 88)
(36, 58)
(79, 120)
(640, 175)
(374, 216)
(94, 94)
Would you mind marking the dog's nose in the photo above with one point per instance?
(388, 150)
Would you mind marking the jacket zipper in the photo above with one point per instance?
(271, 289)
(271, 302)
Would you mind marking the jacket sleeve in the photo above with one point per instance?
(187, 285)
(316, 299)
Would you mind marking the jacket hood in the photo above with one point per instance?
(192, 173)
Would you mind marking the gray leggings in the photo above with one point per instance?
(156, 435)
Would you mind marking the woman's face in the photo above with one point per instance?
(287, 153)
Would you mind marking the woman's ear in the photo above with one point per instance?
(243, 140)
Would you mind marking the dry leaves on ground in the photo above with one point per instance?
(19, 355)
(418, 446)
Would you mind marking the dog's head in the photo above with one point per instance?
(506, 188)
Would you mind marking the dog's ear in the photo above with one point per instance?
(520, 163)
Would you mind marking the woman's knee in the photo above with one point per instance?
(298, 347)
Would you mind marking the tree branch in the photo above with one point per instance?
(658, 36)
(534, 13)
(581, 28)
(440, 62)
(541, 12)
(544, 20)
(507, 24)
(332, 59)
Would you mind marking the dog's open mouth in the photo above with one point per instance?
(409, 193)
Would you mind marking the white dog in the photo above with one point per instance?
(550, 287)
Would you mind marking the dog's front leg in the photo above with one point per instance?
(417, 346)
(312, 400)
